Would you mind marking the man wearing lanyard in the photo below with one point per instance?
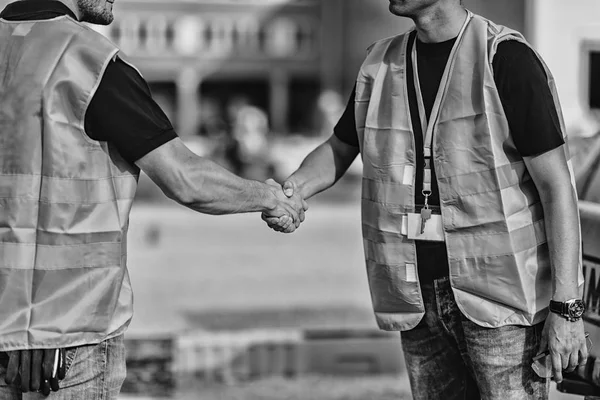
(470, 221)
(77, 123)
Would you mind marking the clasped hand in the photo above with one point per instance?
(287, 216)
(36, 370)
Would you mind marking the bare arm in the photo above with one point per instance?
(206, 187)
(553, 182)
(322, 168)
(564, 339)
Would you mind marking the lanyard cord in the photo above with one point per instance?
(428, 127)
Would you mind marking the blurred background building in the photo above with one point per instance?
(294, 59)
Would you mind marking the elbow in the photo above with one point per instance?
(181, 195)
(179, 190)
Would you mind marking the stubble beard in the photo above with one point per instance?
(95, 13)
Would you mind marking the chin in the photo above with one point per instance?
(399, 10)
(100, 19)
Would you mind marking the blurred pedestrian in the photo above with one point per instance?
(248, 150)
(77, 122)
(470, 219)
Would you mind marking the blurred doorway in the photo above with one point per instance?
(223, 91)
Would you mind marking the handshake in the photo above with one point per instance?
(288, 211)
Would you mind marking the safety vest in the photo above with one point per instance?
(491, 211)
(64, 198)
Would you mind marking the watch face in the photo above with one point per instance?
(576, 309)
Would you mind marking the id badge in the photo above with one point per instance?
(434, 228)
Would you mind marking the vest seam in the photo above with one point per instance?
(366, 226)
(88, 101)
(115, 50)
(375, 242)
(45, 201)
(386, 182)
(378, 202)
(494, 233)
(55, 245)
(8, 21)
(488, 191)
(79, 266)
(493, 255)
(397, 205)
(74, 179)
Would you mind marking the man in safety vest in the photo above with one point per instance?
(77, 123)
(469, 215)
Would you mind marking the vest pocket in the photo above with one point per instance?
(394, 288)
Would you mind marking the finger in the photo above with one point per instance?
(282, 223)
(583, 356)
(287, 225)
(272, 182)
(293, 214)
(573, 359)
(269, 219)
(49, 355)
(288, 188)
(596, 372)
(291, 229)
(54, 385)
(62, 364)
(45, 389)
(25, 370)
(12, 371)
(557, 367)
(274, 222)
(302, 216)
(36, 369)
(543, 344)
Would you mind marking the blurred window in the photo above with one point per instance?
(594, 76)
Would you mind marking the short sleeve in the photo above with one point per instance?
(345, 130)
(527, 100)
(123, 113)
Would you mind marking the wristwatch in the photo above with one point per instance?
(572, 309)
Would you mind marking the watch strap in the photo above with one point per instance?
(558, 307)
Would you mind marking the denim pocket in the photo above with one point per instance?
(70, 354)
(82, 364)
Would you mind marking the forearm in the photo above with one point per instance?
(323, 167)
(211, 189)
(562, 230)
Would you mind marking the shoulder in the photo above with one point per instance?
(83, 33)
(388, 41)
(514, 56)
(121, 77)
(515, 49)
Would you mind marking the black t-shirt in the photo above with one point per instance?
(527, 101)
(122, 110)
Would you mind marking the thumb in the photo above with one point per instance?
(304, 205)
(543, 344)
(288, 188)
(272, 182)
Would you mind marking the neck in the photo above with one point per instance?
(72, 4)
(440, 22)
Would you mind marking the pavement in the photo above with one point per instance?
(186, 268)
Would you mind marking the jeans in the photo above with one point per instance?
(450, 357)
(94, 372)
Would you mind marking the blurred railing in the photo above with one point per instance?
(162, 366)
(215, 35)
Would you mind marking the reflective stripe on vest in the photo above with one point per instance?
(65, 198)
(493, 218)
